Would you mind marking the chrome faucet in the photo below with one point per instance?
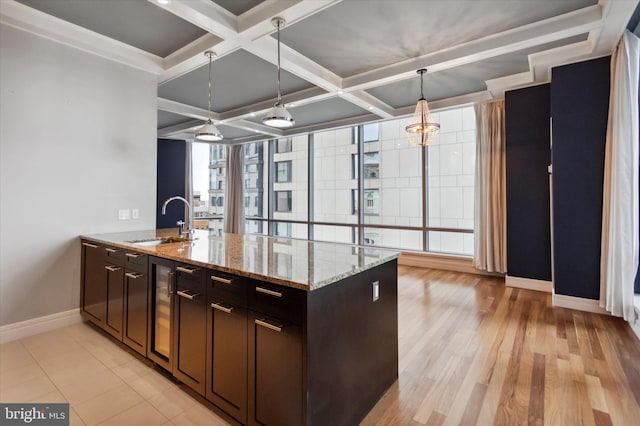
(187, 231)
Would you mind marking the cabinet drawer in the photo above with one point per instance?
(281, 302)
(136, 261)
(114, 255)
(227, 287)
(190, 277)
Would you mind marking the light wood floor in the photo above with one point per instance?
(472, 352)
(475, 352)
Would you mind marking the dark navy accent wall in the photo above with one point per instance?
(528, 156)
(171, 181)
(579, 107)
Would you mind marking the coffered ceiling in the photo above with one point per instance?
(343, 61)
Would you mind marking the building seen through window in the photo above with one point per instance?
(398, 182)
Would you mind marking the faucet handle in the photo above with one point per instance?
(180, 223)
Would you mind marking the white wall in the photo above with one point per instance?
(77, 142)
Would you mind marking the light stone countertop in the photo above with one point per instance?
(307, 265)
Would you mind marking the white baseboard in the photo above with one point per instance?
(578, 303)
(444, 262)
(22, 329)
(529, 284)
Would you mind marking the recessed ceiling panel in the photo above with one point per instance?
(166, 119)
(461, 80)
(356, 36)
(138, 23)
(237, 79)
(321, 112)
(238, 7)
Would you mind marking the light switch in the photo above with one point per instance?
(376, 290)
(135, 214)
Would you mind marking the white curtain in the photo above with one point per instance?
(234, 191)
(619, 255)
(490, 252)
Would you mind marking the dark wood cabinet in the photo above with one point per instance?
(115, 300)
(161, 290)
(266, 354)
(275, 354)
(227, 342)
(136, 300)
(189, 327)
(275, 372)
(94, 279)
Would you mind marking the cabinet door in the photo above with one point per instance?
(227, 358)
(190, 328)
(94, 289)
(161, 282)
(275, 372)
(115, 300)
(135, 311)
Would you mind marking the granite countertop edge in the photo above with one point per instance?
(122, 240)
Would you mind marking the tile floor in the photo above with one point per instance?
(103, 382)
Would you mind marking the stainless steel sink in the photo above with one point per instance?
(157, 241)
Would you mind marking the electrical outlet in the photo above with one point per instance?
(135, 214)
(124, 214)
(376, 290)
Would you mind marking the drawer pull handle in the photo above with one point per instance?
(221, 280)
(110, 250)
(133, 255)
(221, 307)
(134, 275)
(264, 323)
(187, 295)
(187, 270)
(111, 268)
(269, 292)
(89, 245)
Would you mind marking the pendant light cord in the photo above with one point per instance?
(210, 55)
(279, 97)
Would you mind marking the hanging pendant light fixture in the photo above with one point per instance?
(278, 116)
(422, 130)
(208, 132)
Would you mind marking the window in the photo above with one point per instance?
(370, 133)
(371, 165)
(283, 145)
(246, 201)
(254, 181)
(372, 202)
(283, 201)
(283, 171)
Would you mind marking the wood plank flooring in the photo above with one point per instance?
(474, 352)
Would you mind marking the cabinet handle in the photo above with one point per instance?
(187, 295)
(221, 307)
(269, 292)
(170, 282)
(275, 327)
(111, 268)
(110, 250)
(89, 245)
(187, 270)
(134, 275)
(133, 255)
(221, 280)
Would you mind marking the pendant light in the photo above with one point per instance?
(278, 116)
(422, 130)
(208, 132)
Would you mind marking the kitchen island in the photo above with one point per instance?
(273, 331)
